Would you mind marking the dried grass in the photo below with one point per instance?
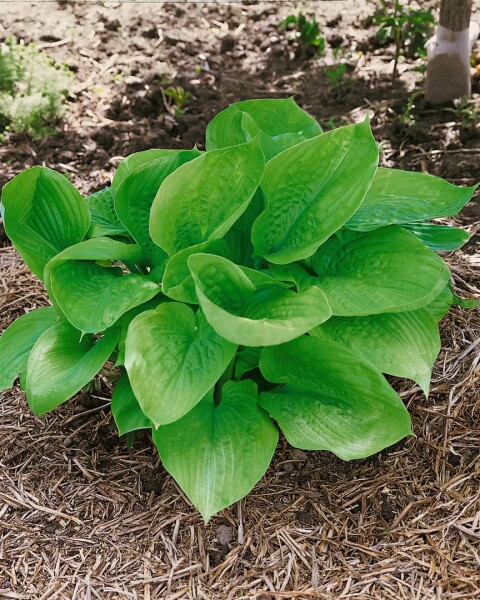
(81, 517)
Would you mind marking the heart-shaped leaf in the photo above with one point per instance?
(279, 123)
(185, 359)
(217, 453)
(331, 399)
(94, 297)
(61, 362)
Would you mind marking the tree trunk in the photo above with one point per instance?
(448, 70)
(455, 14)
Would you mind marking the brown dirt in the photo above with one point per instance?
(83, 517)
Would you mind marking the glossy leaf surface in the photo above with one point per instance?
(218, 453)
(404, 344)
(126, 410)
(386, 270)
(189, 210)
(311, 190)
(331, 399)
(62, 362)
(17, 341)
(44, 213)
(398, 196)
(185, 359)
(249, 315)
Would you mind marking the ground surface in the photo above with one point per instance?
(83, 517)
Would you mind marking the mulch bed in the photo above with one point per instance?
(82, 516)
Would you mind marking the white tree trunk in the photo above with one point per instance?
(448, 70)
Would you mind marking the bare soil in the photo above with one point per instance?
(81, 515)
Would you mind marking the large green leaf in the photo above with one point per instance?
(440, 238)
(61, 362)
(279, 123)
(93, 297)
(135, 160)
(201, 200)
(404, 344)
(173, 357)
(44, 213)
(397, 197)
(245, 314)
(217, 453)
(134, 198)
(126, 411)
(311, 190)
(331, 399)
(386, 270)
(177, 281)
(17, 341)
(104, 218)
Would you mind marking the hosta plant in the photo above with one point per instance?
(265, 284)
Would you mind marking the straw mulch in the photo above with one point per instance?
(82, 517)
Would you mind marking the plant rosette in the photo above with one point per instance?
(265, 284)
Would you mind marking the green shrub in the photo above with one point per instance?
(306, 31)
(274, 277)
(32, 89)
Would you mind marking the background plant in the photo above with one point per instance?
(32, 89)
(407, 27)
(271, 279)
(306, 31)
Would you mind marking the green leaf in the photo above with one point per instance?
(104, 218)
(218, 453)
(126, 410)
(135, 160)
(63, 361)
(17, 341)
(440, 238)
(397, 197)
(134, 198)
(201, 200)
(386, 270)
(404, 344)
(280, 123)
(311, 190)
(93, 297)
(251, 316)
(246, 360)
(177, 281)
(239, 238)
(441, 305)
(331, 399)
(125, 320)
(185, 358)
(44, 214)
